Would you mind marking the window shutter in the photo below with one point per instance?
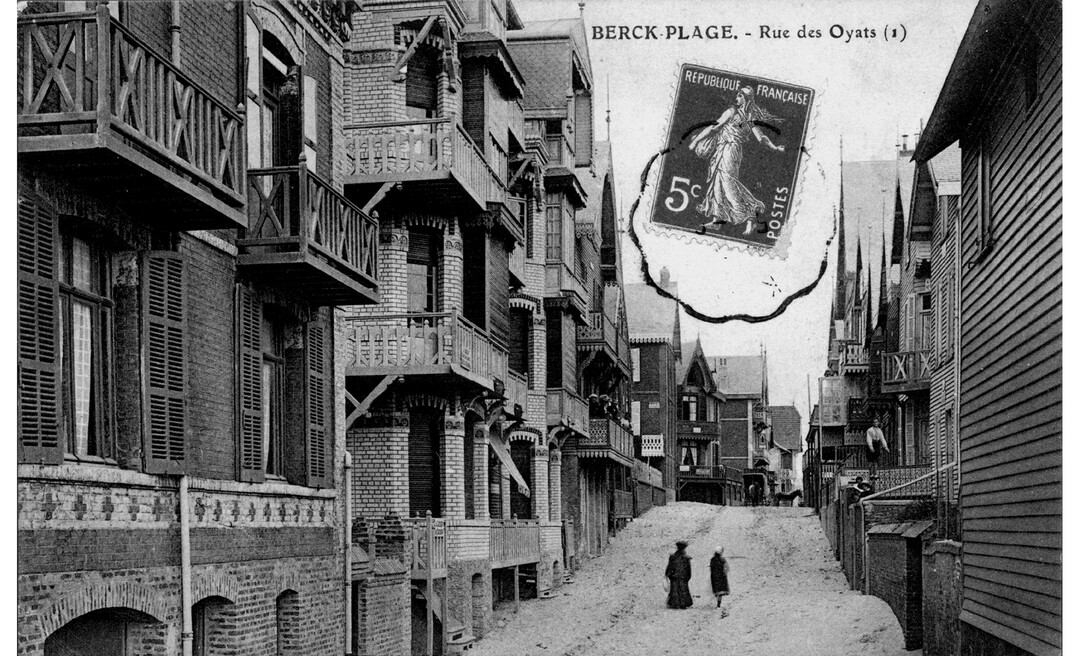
(249, 379)
(165, 361)
(420, 79)
(39, 363)
(910, 323)
(311, 121)
(319, 348)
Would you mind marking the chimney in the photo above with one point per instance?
(903, 142)
(665, 277)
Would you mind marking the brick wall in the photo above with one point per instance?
(380, 449)
(941, 596)
(210, 47)
(383, 613)
(211, 359)
(896, 577)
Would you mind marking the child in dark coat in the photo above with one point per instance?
(718, 572)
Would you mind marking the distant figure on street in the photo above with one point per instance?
(754, 494)
(718, 571)
(875, 444)
(678, 574)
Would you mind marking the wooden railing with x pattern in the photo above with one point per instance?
(85, 73)
(290, 207)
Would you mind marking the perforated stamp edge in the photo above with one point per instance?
(724, 245)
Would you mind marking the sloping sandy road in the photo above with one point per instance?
(788, 597)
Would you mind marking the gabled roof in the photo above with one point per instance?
(545, 65)
(995, 27)
(693, 352)
(786, 427)
(867, 184)
(737, 376)
(651, 317)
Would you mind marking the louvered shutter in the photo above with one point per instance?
(39, 362)
(249, 379)
(319, 347)
(165, 361)
(420, 80)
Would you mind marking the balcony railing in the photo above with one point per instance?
(718, 472)
(853, 358)
(516, 119)
(905, 371)
(564, 405)
(561, 281)
(599, 333)
(423, 151)
(309, 236)
(86, 83)
(514, 541)
(425, 541)
(608, 438)
(427, 343)
(622, 503)
(702, 430)
(517, 390)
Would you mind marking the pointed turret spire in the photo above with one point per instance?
(869, 306)
(883, 286)
(858, 270)
(839, 297)
(898, 227)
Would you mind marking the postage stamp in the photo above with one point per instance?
(732, 155)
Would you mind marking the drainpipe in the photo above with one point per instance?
(185, 568)
(174, 33)
(348, 554)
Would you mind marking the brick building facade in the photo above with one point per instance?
(181, 440)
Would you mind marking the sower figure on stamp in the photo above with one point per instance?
(875, 444)
(678, 574)
(718, 573)
(727, 200)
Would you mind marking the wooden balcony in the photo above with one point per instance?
(306, 236)
(102, 108)
(514, 542)
(703, 472)
(435, 158)
(562, 283)
(905, 371)
(599, 334)
(517, 391)
(608, 440)
(516, 120)
(854, 358)
(697, 430)
(425, 544)
(565, 407)
(435, 345)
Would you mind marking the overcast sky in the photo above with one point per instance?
(868, 89)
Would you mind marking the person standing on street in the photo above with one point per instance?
(718, 573)
(678, 575)
(875, 444)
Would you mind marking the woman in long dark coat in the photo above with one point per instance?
(718, 570)
(678, 573)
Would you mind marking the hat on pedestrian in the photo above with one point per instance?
(720, 550)
(682, 544)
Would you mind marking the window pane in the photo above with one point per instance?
(82, 270)
(82, 374)
(418, 287)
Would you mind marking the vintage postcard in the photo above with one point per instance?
(536, 328)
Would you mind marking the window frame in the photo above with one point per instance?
(101, 307)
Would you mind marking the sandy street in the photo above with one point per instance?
(788, 598)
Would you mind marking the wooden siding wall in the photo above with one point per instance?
(569, 353)
(1010, 387)
(472, 101)
(943, 374)
(553, 336)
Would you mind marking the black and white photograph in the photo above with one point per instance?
(537, 327)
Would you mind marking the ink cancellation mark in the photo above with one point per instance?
(732, 156)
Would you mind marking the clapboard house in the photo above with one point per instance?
(183, 248)
(1002, 101)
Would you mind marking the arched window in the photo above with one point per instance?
(213, 626)
(288, 623)
(106, 632)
